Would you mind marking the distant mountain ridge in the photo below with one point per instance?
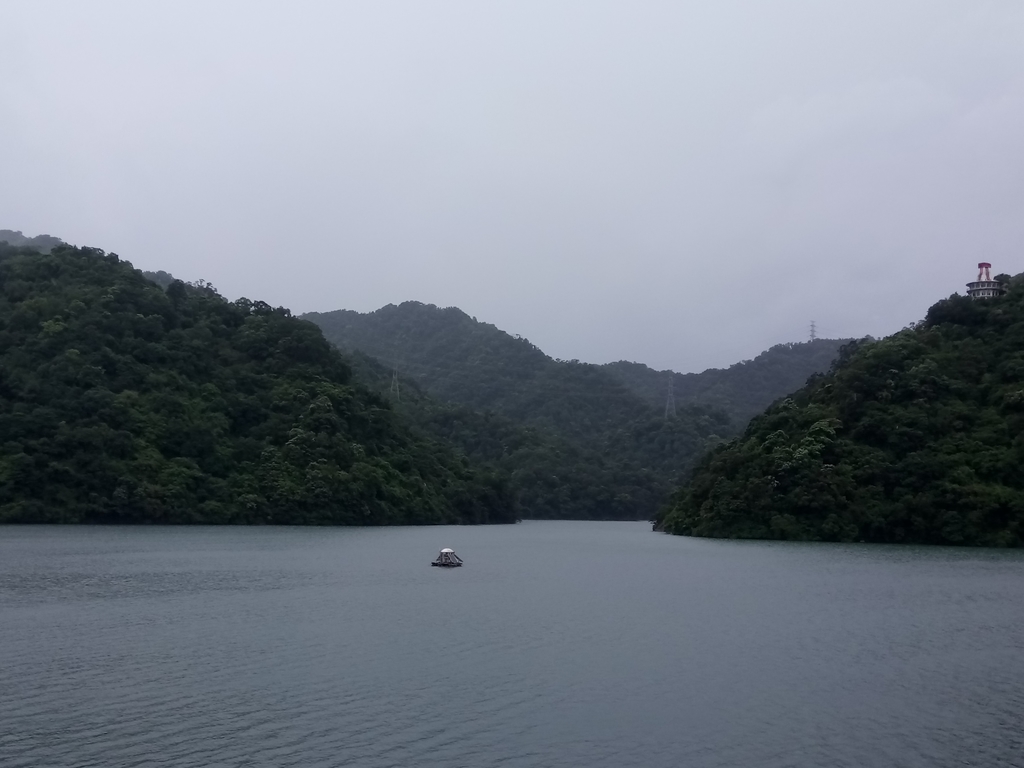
(604, 426)
(742, 390)
(568, 439)
(461, 360)
(552, 476)
(586, 446)
(42, 243)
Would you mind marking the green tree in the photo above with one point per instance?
(123, 402)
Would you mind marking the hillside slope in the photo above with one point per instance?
(915, 438)
(120, 402)
(551, 476)
(742, 390)
(578, 443)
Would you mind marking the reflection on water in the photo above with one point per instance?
(558, 644)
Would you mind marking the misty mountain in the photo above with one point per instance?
(577, 442)
(46, 243)
(552, 476)
(41, 243)
(917, 438)
(742, 390)
(123, 402)
(161, 278)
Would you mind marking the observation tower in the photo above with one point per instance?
(985, 287)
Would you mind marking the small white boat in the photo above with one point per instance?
(448, 559)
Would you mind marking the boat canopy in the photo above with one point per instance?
(448, 558)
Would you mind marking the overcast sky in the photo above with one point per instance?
(679, 183)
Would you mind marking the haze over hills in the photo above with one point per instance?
(134, 397)
(460, 359)
(742, 390)
(916, 438)
(551, 475)
(571, 440)
(594, 450)
(579, 440)
(41, 243)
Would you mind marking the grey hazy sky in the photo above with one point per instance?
(678, 183)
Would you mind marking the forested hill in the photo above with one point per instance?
(41, 243)
(123, 402)
(918, 437)
(553, 476)
(578, 443)
(451, 355)
(742, 390)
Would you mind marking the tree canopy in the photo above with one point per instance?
(577, 441)
(553, 476)
(918, 437)
(124, 402)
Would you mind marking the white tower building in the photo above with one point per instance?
(984, 287)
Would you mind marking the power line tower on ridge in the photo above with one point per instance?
(670, 400)
(814, 331)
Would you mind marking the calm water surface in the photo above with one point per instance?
(559, 644)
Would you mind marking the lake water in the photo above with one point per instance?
(558, 644)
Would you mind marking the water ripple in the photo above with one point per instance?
(321, 648)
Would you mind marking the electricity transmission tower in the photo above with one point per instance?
(670, 400)
(814, 331)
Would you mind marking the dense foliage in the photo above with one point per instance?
(576, 442)
(915, 438)
(553, 477)
(742, 390)
(123, 402)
